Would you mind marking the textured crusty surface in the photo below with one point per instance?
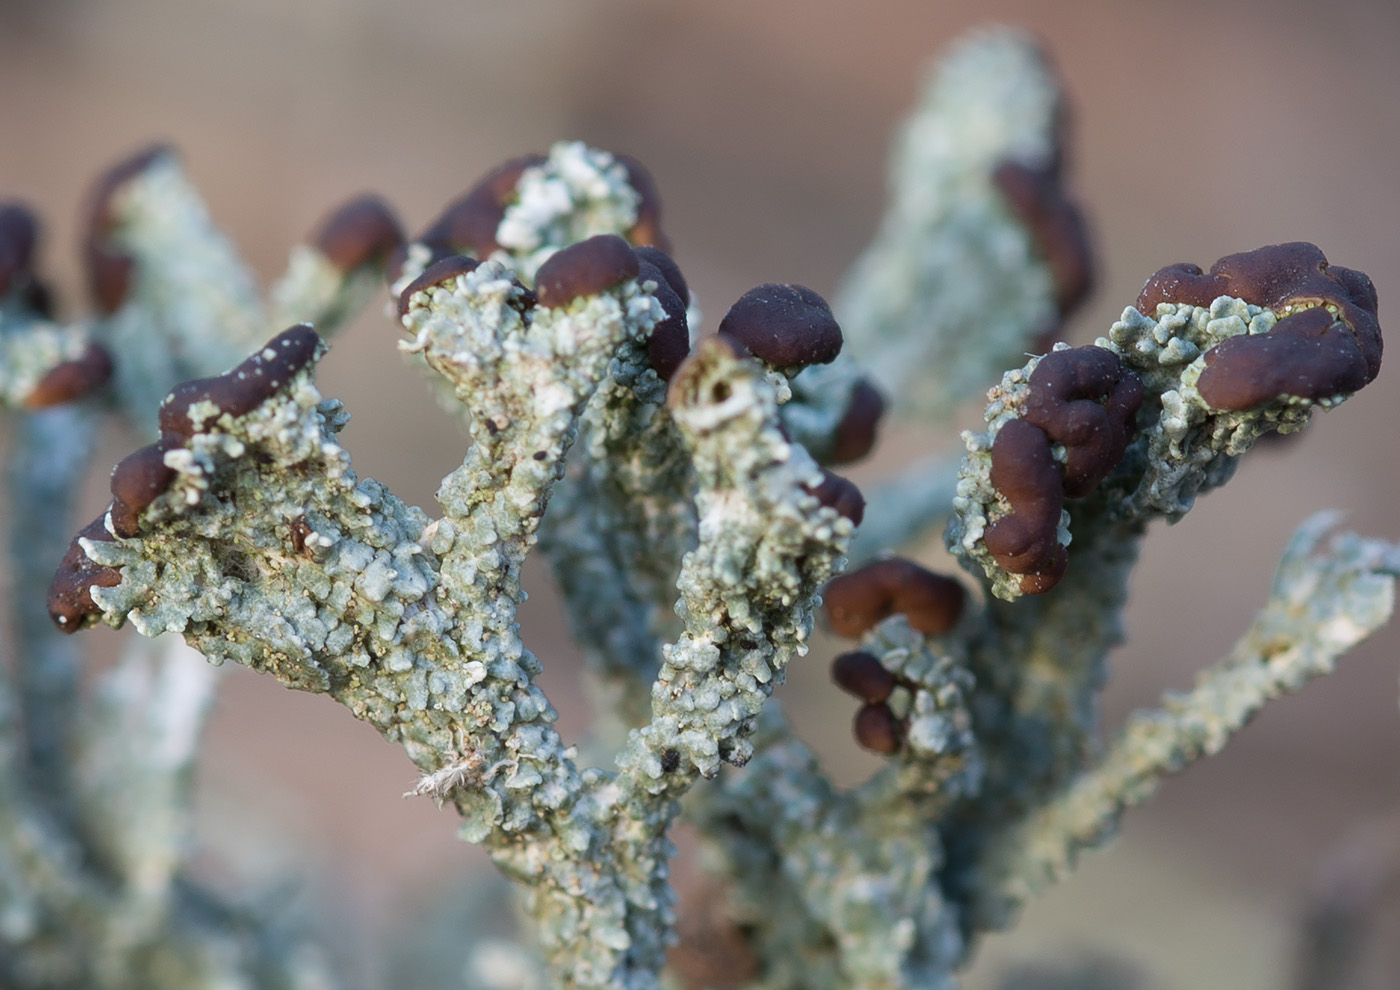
(692, 532)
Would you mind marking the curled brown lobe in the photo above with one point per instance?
(668, 268)
(1086, 400)
(109, 267)
(784, 326)
(70, 601)
(138, 480)
(1025, 474)
(856, 432)
(584, 269)
(362, 232)
(143, 476)
(840, 494)
(1056, 226)
(1307, 354)
(1299, 356)
(860, 599)
(468, 224)
(435, 274)
(238, 392)
(669, 342)
(72, 379)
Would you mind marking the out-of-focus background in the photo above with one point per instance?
(1199, 129)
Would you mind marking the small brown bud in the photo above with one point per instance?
(878, 730)
(363, 231)
(110, 268)
(469, 224)
(647, 230)
(668, 268)
(863, 675)
(669, 342)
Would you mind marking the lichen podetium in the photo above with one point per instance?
(681, 487)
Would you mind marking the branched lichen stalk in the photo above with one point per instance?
(953, 287)
(839, 888)
(748, 591)
(684, 502)
(49, 455)
(1083, 448)
(1325, 600)
(616, 532)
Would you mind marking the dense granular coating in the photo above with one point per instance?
(863, 675)
(70, 601)
(878, 730)
(855, 435)
(1024, 472)
(1299, 357)
(647, 229)
(1056, 226)
(669, 269)
(669, 342)
(785, 326)
(243, 389)
(19, 230)
(138, 480)
(143, 476)
(435, 274)
(840, 494)
(585, 269)
(468, 224)
(856, 601)
(72, 379)
(109, 268)
(1085, 399)
(364, 231)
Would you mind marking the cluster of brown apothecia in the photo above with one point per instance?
(1080, 408)
(143, 476)
(1327, 341)
(785, 327)
(1085, 400)
(1075, 422)
(855, 603)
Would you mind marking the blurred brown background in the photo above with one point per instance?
(1199, 129)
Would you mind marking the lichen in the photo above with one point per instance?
(952, 288)
(681, 492)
